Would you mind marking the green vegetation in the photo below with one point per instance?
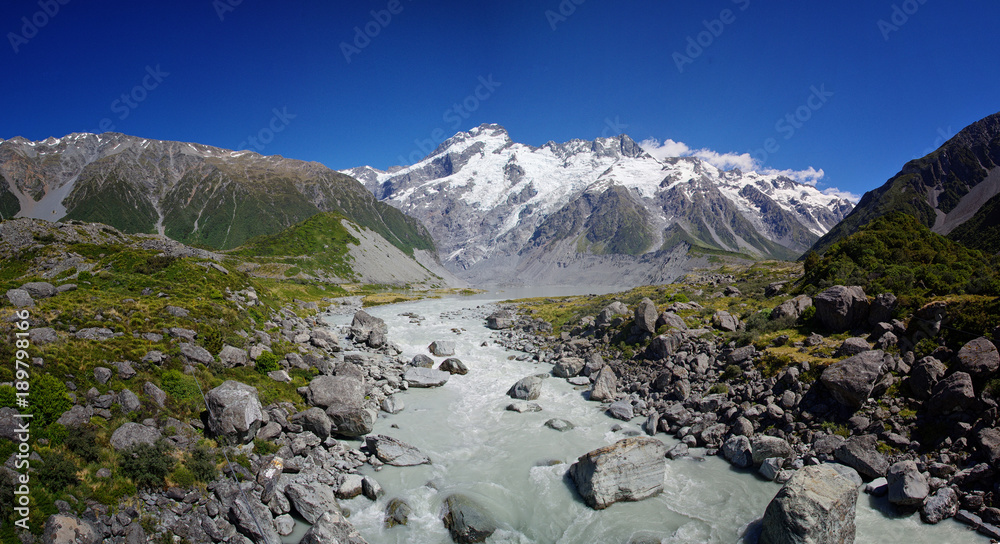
(316, 244)
(982, 231)
(267, 362)
(146, 465)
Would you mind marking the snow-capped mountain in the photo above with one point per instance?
(599, 212)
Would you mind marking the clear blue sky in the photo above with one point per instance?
(597, 68)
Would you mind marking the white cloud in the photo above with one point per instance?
(727, 161)
(846, 195)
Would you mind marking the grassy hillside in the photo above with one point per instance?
(317, 244)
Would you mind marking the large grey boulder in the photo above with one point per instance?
(671, 320)
(622, 410)
(645, 316)
(397, 512)
(724, 321)
(527, 388)
(42, 335)
(881, 309)
(368, 329)
(39, 289)
(738, 451)
(20, 298)
(351, 421)
(232, 356)
(665, 345)
(196, 354)
(769, 447)
(254, 521)
(234, 411)
(860, 453)
(315, 421)
(311, 498)
(610, 312)
(851, 381)
(567, 367)
(442, 348)
(907, 486)
(605, 385)
(841, 308)
(631, 469)
(453, 366)
(395, 452)
(425, 377)
(952, 394)
(331, 528)
(326, 391)
(500, 319)
(76, 416)
(129, 401)
(421, 361)
(466, 520)
(941, 505)
(69, 529)
(816, 506)
(792, 307)
(156, 394)
(979, 358)
(924, 376)
(131, 433)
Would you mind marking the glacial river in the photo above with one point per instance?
(516, 466)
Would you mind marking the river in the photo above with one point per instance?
(515, 465)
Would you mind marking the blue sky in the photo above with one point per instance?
(853, 88)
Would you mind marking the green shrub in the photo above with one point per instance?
(58, 472)
(182, 476)
(731, 372)
(202, 463)
(264, 447)
(147, 465)
(267, 362)
(8, 396)
(719, 389)
(154, 264)
(180, 386)
(808, 314)
(49, 399)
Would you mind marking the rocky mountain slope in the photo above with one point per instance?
(584, 211)
(192, 193)
(955, 191)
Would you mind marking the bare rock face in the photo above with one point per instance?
(368, 329)
(842, 308)
(235, 411)
(907, 486)
(816, 506)
(605, 386)
(332, 527)
(645, 316)
(851, 381)
(793, 307)
(631, 469)
(67, 529)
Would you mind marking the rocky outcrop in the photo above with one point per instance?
(815, 506)
(841, 308)
(631, 469)
(466, 520)
(851, 381)
(368, 329)
(235, 412)
(645, 316)
(69, 529)
(131, 433)
(332, 527)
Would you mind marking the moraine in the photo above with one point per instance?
(516, 467)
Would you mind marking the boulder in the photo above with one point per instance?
(881, 309)
(311, 499)
(196, 354)
(326, 391)
(20, 298)
(69, 529)
(527, 388)
(724, 321)
(816, 506)
(466, 520)
(315, 421)
(952, 394)
(442, 348)
(522, 406)
(42, 335)
(392, 405)
(94, 333)
(131, 433)
(129, 401)
(979, 358)
(125, 370)
(605, 386)
(74, 417)
(421, 361)
(254, 521)
(231, 356)
(395, 452)
(368, 329)
(622, 410)
(852, 346)
(39, 289)
(454, 366)
(156, 394)
(397, 512)
(610, 312)
(671, 320)
(851, 381)
(235, 411)
(767, 447)
(560, 425)
(351, 421)
(425, 377)
(500, 319)
(102, 374)
(907, 486)
(645, 316)
(737, 450)
(665, 345)
(942, 505)
(860, 453)
(631, 469)
(924, 376)
(841, 308)
(567, 367)
(988, 440)
(793, 307)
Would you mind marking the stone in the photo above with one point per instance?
(631, 469)
(179, 332)
(326, 391)
(665, 345)
(466, 520)
(231, 356)
(254, 521)
(176, 311)
(793, 307)
(605, 386)
(841, 308)
(501, 319)
(425, 377)
(20, 298)
(131, 433)
(351, 486)
(279, 376)
(421, 361)
(74, 417)
(395, 452)
(610, 312)
(724, 321)
(645, 316)
(770, 468)
(454, 366)
(979, 358)
(766, 447)
(907, 486)
(39, 289)
(234, 412)
(522, 406)
(351, 421)
(154, 356)
(852, 346)
(952, 394)
(371, 489)
(102, 374)
(397, 512)
(42, 336)
(622, 410)
(924, 376)
(125, 370)
(879, 487)
(94, 333)
(69, 529)
(315, 421)
(816, 506)
(527, 388)
(368, 329)
(740, 354)
(196, 354)
(392, 405)
(560, 425)
(442, 348)
(737, 450)
(311, 499)
(284, 524)
(671, 320)
(881, 309)
(942, 505)
(568, 367)
(859, 453)
(678, 451)
(156, 394)
(988, 441)
(129, 401)
(851, 381)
